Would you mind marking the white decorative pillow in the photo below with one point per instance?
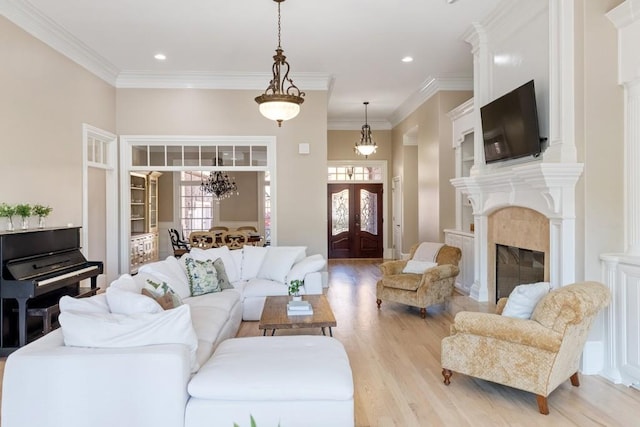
(524, 298)
(215, 253)
(277, 263)
(109, 330)
(252, 261)
(170, 272)
(203, 278)
(308, 265)
(418, 267)
(95, 304)
(236, 255)
(125, 302)
(127, 283)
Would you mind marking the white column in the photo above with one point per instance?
(632, 166)
(480, 288)
(561, 141)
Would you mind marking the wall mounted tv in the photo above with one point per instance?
(510, 125)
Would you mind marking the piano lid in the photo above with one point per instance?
(41, 265)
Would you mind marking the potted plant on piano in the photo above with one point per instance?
(8, 211)
(24, 210)
(41, 212)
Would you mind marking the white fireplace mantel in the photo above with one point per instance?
(545, 187)
(548, 188)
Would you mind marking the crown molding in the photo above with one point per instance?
(625, 13)
(209, 80)
(31, 20)
(354, 124)
(429, 87)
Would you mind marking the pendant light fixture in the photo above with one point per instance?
(277, 102)
(367, 146)
(219, 185)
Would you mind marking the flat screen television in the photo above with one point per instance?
(510, 125)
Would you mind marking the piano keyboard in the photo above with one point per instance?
(66, 275)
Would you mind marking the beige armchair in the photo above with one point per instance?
(535, 355)
(434, 286)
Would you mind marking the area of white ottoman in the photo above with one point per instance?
(292, 381)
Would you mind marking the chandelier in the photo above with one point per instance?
(219, 185)
(367, 146)
(277, 102)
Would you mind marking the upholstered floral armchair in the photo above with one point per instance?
(419, 290)
(536, 354)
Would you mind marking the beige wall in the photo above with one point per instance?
(45, 98)
(301, 179)
(243, 206)
(97, 219)
(426, 217)
(599, 139)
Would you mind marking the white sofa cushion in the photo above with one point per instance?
(277, 263)
(265, 287)
(524, 298)
(259, 369)
(169, 271)
(252, 258)
(95, 304)
(125, 302)
(236, 255)
(308, 265)
(214, 253)
(110, 330)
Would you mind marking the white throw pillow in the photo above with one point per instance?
(95, 304)
(213, 254)
(308, 265)
(524, 298)
(170, 272)
(252, 261)
(418, 267)
(236, 255)
(127, 283)
(277, 263)
(125, 302)
(110, 330)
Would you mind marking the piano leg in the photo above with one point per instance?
(22, 320)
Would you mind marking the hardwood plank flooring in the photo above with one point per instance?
(395, 358)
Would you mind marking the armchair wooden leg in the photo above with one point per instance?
(446, 373)
(423, 312)
(378, 301)
(543, 406)
(575, 381)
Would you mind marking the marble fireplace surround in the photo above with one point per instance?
(546, 188)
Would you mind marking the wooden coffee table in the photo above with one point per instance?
(274, 315)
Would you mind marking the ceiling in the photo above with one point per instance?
(353, 48)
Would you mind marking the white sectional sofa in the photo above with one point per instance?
(119, 361)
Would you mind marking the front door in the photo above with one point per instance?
(355, 220)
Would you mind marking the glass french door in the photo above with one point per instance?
(355, 221)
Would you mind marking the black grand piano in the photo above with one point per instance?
(39, 267)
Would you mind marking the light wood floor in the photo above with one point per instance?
(395, 358)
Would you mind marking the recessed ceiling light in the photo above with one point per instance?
(160, 56)
(407, 59)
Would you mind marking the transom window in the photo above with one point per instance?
(354, 173)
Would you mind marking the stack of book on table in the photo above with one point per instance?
(299, 308)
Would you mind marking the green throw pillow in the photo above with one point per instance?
(203, 278)
(162, 293)
(223, 279)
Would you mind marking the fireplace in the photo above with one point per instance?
(516, 266)
(530, 205)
